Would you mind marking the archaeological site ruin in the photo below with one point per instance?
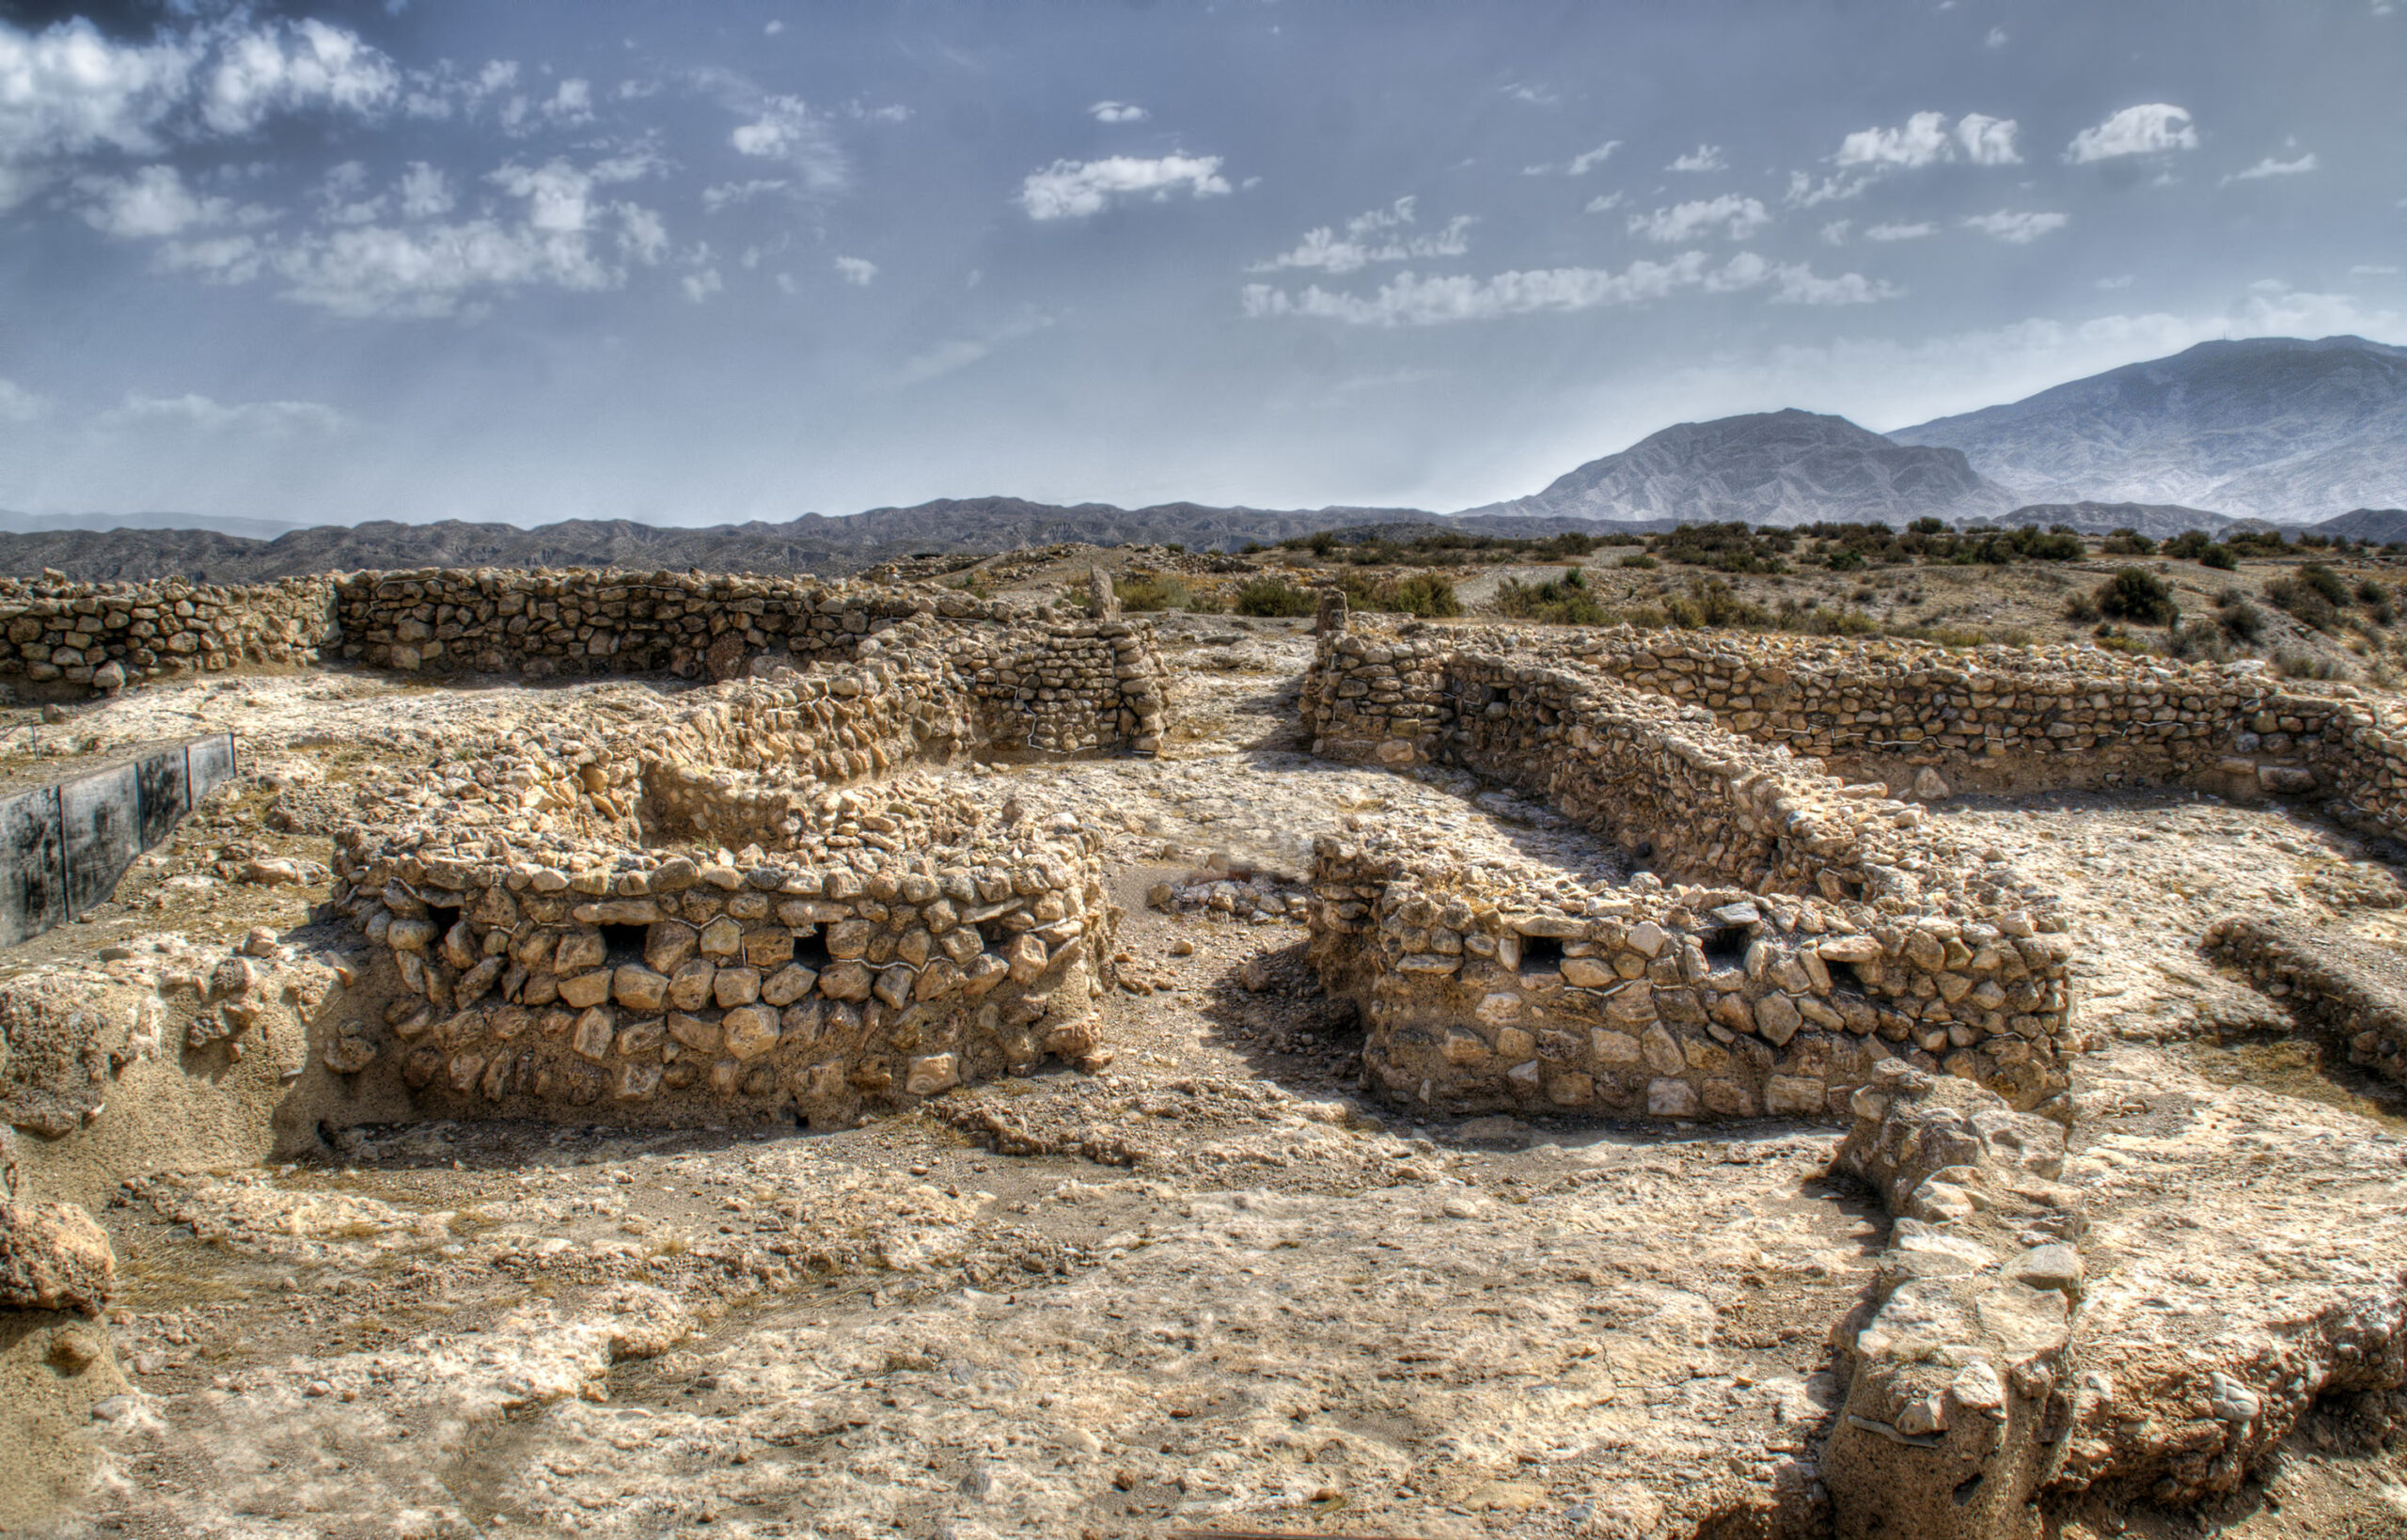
(758, 866)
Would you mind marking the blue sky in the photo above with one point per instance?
(699, 262)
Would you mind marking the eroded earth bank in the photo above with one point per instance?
(1168, 1258)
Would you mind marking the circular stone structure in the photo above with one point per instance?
(759, 908)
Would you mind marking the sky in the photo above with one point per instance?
(699, 263)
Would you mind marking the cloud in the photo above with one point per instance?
(2156, 127)
(701, 286)
(567, 235)
(784, 127)
(1996, 38)
(1578, 166)
(18, 404)
(1925, 139)
(1118, 112)
(2369, 270)
(1900, 232)
(1079, 188)
(1536, 96)
(150, 204)
(1835, 232)
(2016, 226)
(2272, 168)
(961, 352)
(1804, 193)
(1369, 238)
(1702, 158)
(425, 192)
(1737, 218)
(1605, 202)
(857, 271)
(1410, 300)
(730, 193)
(70, 90)
(2120, 280)
(198, 413)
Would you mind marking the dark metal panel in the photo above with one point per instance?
(100, 816)
(164, 793)
(208, 763)
(33, 887)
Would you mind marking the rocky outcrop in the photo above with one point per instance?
(53, 1257)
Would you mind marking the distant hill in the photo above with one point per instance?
(2381, 525)
(2274, 428)
(1786, 467)
(812, 543)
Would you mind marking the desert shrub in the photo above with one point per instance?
(2199, 641)
(2298, 662)
(2134, 593)
(2239, 619)
(2370, 593)
(1844, 559)
(1274, 595)
(1727, 547)
(2188, 545)
(1561, 601)
(2323, 579)
(2081, 609)
(1423, 594)
(2304, 600)
(2220, 558)
(1142, 593)
(1639, 563)
(1714, 604)
(2127, 541)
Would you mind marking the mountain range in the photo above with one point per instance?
(2278, 430)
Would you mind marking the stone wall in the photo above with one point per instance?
(71, 633)
(569, 921)
(1045, 678)
(1988, 718)
(1807, 935)
(2352, 990)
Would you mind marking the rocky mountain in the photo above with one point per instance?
(2381, 525)
(812, 543)
(1786, 467)
(2276, 428)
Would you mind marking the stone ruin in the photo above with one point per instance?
(759, 909)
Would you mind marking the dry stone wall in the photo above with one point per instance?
(761, 909)
(2354, 991)
(1988, 718)
(62, 633)
(1807, 935)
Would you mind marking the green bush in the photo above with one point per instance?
(2324, 580)
(2303, 600)
(1714, 604)
(2134, 593)
(1641, 562)
(1423, 594)
(2127, 541)
(1142, 594)
(1561, 600)
(2241, 620)
(1273, 596)
(2220, 558)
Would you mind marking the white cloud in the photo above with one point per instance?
(702, 285)
(1737, 218)
(1900, 232)
(2017, 227)
(425, 192)
(961, 352)
(198, 413)
(1804, 193)
(1410, 300)
(1835, 232)
(1077, 189)
(1372, 237)
(784, 127)
(2369, 270)
(151, 203)
(69, 90)
(2269, 166)
(772, 29)
(1605, 202)
(730, 193)
(1925, 139)
(1702, 158)
(18, 404)
(2120, 280)
(1536, 96)
(1996, 38)
(286, 68)
(1118, 112)
(2156, 127)
(572, 104)
(856, 270)
(1588, 160)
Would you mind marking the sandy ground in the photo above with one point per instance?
(1212, 1287)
